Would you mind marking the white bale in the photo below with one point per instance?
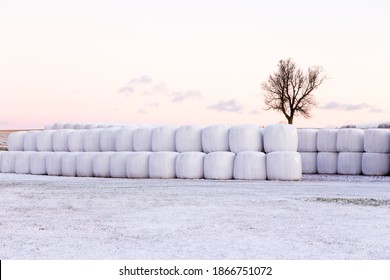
(118, 162)
(327, 140)
(280, 137)
(142, 139)
(57, 126)
(349, 163)
(376, 164)
(219, 165)
(249, 165)
(48, 127)
(307, 140)
(60, 140)
(78, 126)
(137, 165)
(38, 163)
(101, 164)
(29, 141)
(215, 138)
(76, 140)
(189, 165)
(189, 139)
(16, 141)
(84, 165)
(124, 139)
(284, 166)
(1, 155)
(377, 140)
(53, 163)
(69, 126)
(350, 140)
(327, 163)
(107, 139)
(92, 140)
(91, 126)
(8, 162)
(22, 162)
(309, 162)
(246, 137)
(162, 165)
(44, 140)
(69, 164)
(163, 138)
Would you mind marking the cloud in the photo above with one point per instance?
(254, 112)
(227, 106)
(333, 105)
(141, 111)
(182, 96)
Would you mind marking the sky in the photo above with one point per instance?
(188, 62)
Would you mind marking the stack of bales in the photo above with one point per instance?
(327, 151)
(350, 145)
(307, 148)
(376, 159)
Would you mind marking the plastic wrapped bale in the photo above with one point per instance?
(16, 141)
(44, 140)
(1, 155)
(101, 164)
(78, 126)
(189, 165)
(38, 163)
(162, 165)
(219, 165)
(215, 138)
(60, 140)
(327, 163)
(107, 139)
(76, 140)
(118, 162)
(245, 137)
(69, 164)
(284, 166)
(91, 126)
(280, 137)
(376, 164)
(349, 163)
(142, 139)
(124, 139)
(22, 162)
(92, 140)
(53, 163)
(84, 165)
(377, 140)
(57, 126)
(69, 126)
(309, 162)
(327, 140)
(137, 165)
(48, 127)
(8, 162)
(307, 140)
(163, 138)
(250, 165)
(29, 141)
(189, 139)
(350, 140)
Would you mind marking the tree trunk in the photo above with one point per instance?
(290, 119)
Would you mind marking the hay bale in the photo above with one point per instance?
(249, 165)
(215, 138)
(142, 139)
(48, 127)
(377, 140)
(124, 139)
(38, 163)
(350, 140)
(76, 140)
(57, 126)
(162, 165)
(349, 163)
(16, 141)
(376, 164)
(60, 140)
(29, 141)
(69, 126)
(189, 165)
(118, 162)
(189, 139)
(327, 140)
(91, 126)
(69, 164)
(327, 163)
(280, 137)
(246, 137)
(137, 165)
(84, 165)
(307, 140)
(8, 161)
(219, 165)
(284, 166)
(309, 162)
(163, 138)
(107, 139)
(22, 162)
(53, 163)
(92, 140)
(101, 164)
(44, 140)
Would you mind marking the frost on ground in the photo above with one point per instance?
(320, 217)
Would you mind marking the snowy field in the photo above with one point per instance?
(320, 217)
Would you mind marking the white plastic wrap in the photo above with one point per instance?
(307, 140)
(60, 140)
(44, 140)
(29, 141)
(280, 137)
(57, 126)
(118, 164)
(69, 126)
(137, 165)
(163, 138)
(327, 163)
(8, 162)
(84, 165)
(309, 162)
(142, 139)
(350, 140)
(38, 163)
(101, 164)
(219, 165)
(327, 140)
(250, 165)
(215, 138)
(246, 137)
(53, 163)
(22, 162)
(349, 163)
(162, 165)
(124, 139)
(107, 139)
(69, 164)
(189, 139)
(16, 141)
(189, 165)
(1, 156)
(76, 140)
(91, 126)
(92, 140)
(48, 127)
(377, 140)
(376, 164)
(284, 166)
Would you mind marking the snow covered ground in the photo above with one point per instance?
(320, 217)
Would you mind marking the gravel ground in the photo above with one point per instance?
(3, 137)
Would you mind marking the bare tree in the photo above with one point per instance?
(290, 90)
